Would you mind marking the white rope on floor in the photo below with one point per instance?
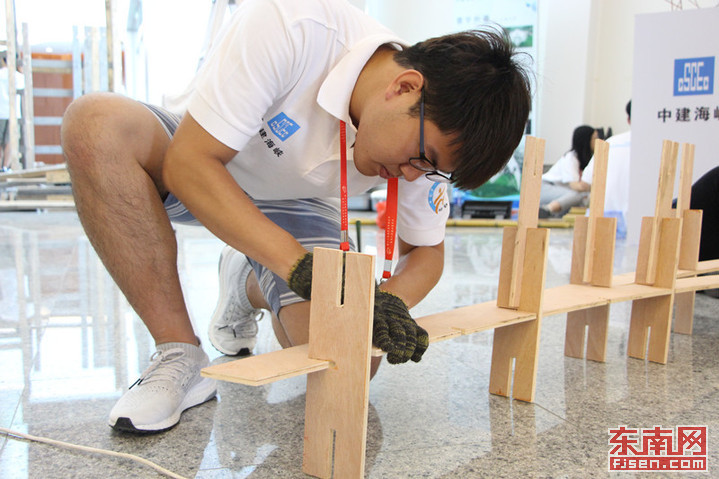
(29, 437)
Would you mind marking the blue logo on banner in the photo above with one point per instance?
(283, 126)
(694, 76)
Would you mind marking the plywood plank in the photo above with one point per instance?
(596, 205)
(703, 267)
(697, 283)
(337, 399)
(267, 368)
(528, 213)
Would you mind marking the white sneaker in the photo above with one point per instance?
(233, 327)
(171, 384)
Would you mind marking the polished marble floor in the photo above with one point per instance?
(70, 344)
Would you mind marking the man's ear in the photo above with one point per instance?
(408, 81)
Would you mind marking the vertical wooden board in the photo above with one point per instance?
(684, 312)
(667, 177)
(655, 313)
(337, 398)
(531, 182)
(500, 374)
(637, 340)
(591, 324)
(599, 179)
(645, 250)
(505, 267)
(605, 233)
(663, 209)
(535, 267)
(579, 244)
(668, 253)
(525, 366)
(521, 341)
(528, 209)
(597, 331)
(661, 322)
(575, 333)
(685, 178)
(691, 239)
(596, 204)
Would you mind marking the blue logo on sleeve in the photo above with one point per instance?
(437, 197)
(283, 126)
(694, 76)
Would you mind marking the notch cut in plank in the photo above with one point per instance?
(337, 399)
(654, 315)
(518, 344)
(267, 368)
(591, 324)
(510, 274)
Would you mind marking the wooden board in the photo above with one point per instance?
(267, 368)
(337, 398)
(596, 207)
(697, 283)
(512, 261)
(703, 267)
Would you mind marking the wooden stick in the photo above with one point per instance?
(510, 275)
(596, 204)
(655, 313)
(519, 343)
(648, 250)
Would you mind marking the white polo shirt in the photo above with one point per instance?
(275, 86)
(565, 170)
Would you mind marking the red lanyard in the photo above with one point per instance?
(390, 212)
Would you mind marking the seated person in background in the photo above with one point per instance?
(560, 185)
(616, 198)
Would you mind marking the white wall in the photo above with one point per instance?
(562, 70)
(610, 75)
(584, 64)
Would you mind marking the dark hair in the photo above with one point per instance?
(628, 109)
(475, 89)
(582, 144)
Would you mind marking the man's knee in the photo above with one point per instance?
(83, 121)
(107, 129)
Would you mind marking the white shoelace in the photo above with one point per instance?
(169, 365)
(243, 326)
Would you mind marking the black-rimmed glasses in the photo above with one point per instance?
(421, 162)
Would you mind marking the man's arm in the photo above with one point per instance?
(194, 171)
(418, 270)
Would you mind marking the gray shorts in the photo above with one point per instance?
(311, 221)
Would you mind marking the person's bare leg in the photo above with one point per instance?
(554, 207)
(114, 148)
